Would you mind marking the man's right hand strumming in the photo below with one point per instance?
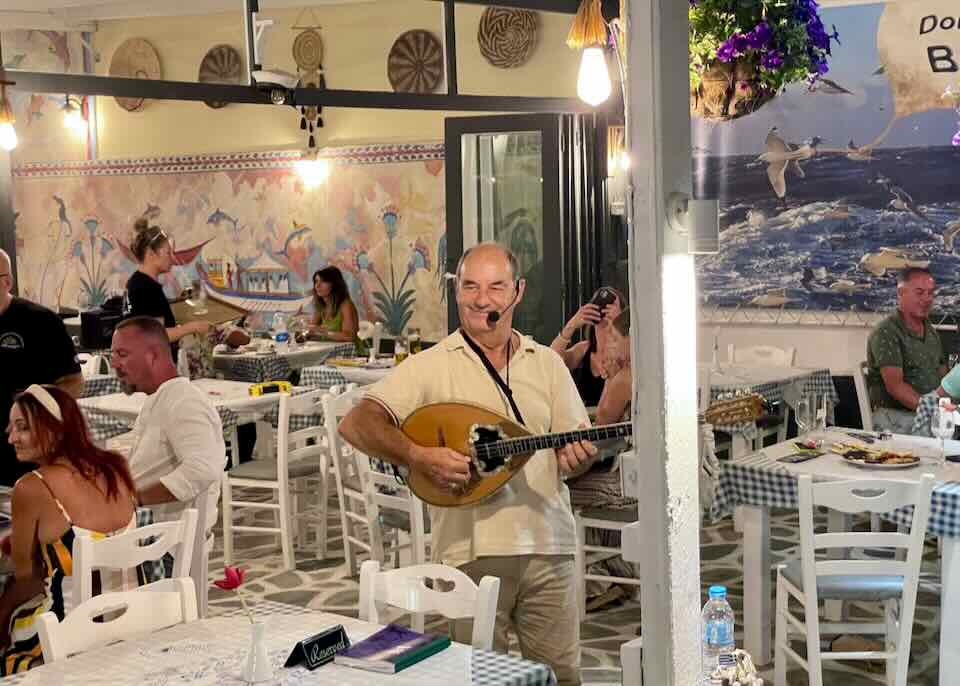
(446, 468)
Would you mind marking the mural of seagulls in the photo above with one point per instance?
(780, 155)
(949, 235)
(828, 87)
(864, 154)
(902, 200)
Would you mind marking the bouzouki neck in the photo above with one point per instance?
(528, 444)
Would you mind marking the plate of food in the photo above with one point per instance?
(875, 458)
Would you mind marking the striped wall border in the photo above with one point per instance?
(186, 164)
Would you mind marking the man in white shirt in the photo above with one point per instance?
(179, 451)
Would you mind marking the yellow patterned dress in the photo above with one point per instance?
(24, 651)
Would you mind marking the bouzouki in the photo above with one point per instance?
(498, 447)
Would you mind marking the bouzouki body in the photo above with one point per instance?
(497, 445)
(460, 426)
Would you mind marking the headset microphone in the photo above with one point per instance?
(494, 316)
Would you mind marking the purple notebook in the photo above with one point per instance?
(392, 649)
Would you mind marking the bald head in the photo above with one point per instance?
(6, 280)
(490, 252)
(487, 283)
(141, 355)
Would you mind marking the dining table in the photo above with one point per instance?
(210, 652)
(776, 384)
(346, 370)
(264, 360)
(757, 482)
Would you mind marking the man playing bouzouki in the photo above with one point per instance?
(524, 533)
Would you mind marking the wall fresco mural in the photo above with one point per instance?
(831, 188)
(246, 227)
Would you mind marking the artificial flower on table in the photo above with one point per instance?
(232, 581)
(743, 53)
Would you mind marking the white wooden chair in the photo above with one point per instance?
(405, 589)
(863, 395)
(768, 355)
(122, 553)
(302, 455)
(371, 501)
(892, 582)
(128, 613)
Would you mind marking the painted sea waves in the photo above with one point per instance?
(839, 236)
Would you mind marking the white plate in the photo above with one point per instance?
(868, 465)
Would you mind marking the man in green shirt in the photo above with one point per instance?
(904, 354)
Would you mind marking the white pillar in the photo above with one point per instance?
(665, 542)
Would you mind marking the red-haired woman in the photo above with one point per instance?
(75, 485)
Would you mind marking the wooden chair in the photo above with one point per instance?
(115, 616)
(124, 552)
(405, 589)
(302, 455)
(370, 501)
(892, 581)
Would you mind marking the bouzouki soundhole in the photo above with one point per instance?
(485, 461)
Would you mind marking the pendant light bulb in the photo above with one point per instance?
(8, 135)
(73, 117)
(593, 82)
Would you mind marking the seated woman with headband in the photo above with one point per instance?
(76, 485)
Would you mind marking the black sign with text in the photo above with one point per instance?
(319, 649)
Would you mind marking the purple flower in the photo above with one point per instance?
(772, 60)
(726, 53)
(956, 138)
(740, 43)
(760, 36)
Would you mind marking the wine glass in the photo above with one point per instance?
(942, 425)
(804, 415)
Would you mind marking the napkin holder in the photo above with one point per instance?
(319, 649)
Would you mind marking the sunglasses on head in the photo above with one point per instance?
(160, 235)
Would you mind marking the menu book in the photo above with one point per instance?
(391, 649)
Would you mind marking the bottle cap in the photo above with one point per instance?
(718, 591)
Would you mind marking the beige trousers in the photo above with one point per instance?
(538, 601)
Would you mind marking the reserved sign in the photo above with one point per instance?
(319, 649)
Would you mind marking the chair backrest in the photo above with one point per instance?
(762, 355)
(703, 388)
(121, 615)
(863, 395)
(864, 495)
(405, 588)
(124, 552)
(301, 444)
(335, 407)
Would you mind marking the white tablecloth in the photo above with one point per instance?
(233, 395)
(210, 651)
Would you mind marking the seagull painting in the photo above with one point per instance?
(828, 87)
(950, 234)
(902, 200)
(780, 155)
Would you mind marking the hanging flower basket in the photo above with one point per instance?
(743, 53)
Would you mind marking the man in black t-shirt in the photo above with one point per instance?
(34, 348)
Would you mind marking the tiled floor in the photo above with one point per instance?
(324, 585)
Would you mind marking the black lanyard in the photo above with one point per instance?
(494, 374)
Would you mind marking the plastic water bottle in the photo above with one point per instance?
(280, 333)
(717, 625)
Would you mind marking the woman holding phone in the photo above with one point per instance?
(585, 359)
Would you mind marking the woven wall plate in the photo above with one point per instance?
(308, 50)
(415, 64)
(135, 59)
(508, 37)
(221, 64)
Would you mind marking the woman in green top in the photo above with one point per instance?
(335, 316)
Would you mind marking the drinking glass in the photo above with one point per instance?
(804, 416)
(942, 425)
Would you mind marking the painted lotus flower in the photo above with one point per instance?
(419, 257)
(390, 216)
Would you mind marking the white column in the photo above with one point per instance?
(664, 328)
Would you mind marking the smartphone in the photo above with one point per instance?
(799, 457)
(603, 297)
(952, 458)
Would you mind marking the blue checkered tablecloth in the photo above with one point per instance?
(100, 384)
(925, 410)
(797, 383)
(255, 369)
(761, 481)
(321, 377)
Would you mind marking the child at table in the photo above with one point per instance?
(76, 485)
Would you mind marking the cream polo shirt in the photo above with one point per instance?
(179, 442)
(531, 514)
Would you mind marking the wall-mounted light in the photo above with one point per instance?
(313, 170)
(8, 135)
(698, 219)
(74, 116)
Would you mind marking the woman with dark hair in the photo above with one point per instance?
(144, 296)
(334, 314)
(76, 484)
(585, 358)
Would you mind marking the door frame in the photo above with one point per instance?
(548, 125)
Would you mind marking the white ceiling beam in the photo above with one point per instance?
(12, 20)
(134, 9)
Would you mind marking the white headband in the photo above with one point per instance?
(42, 396)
